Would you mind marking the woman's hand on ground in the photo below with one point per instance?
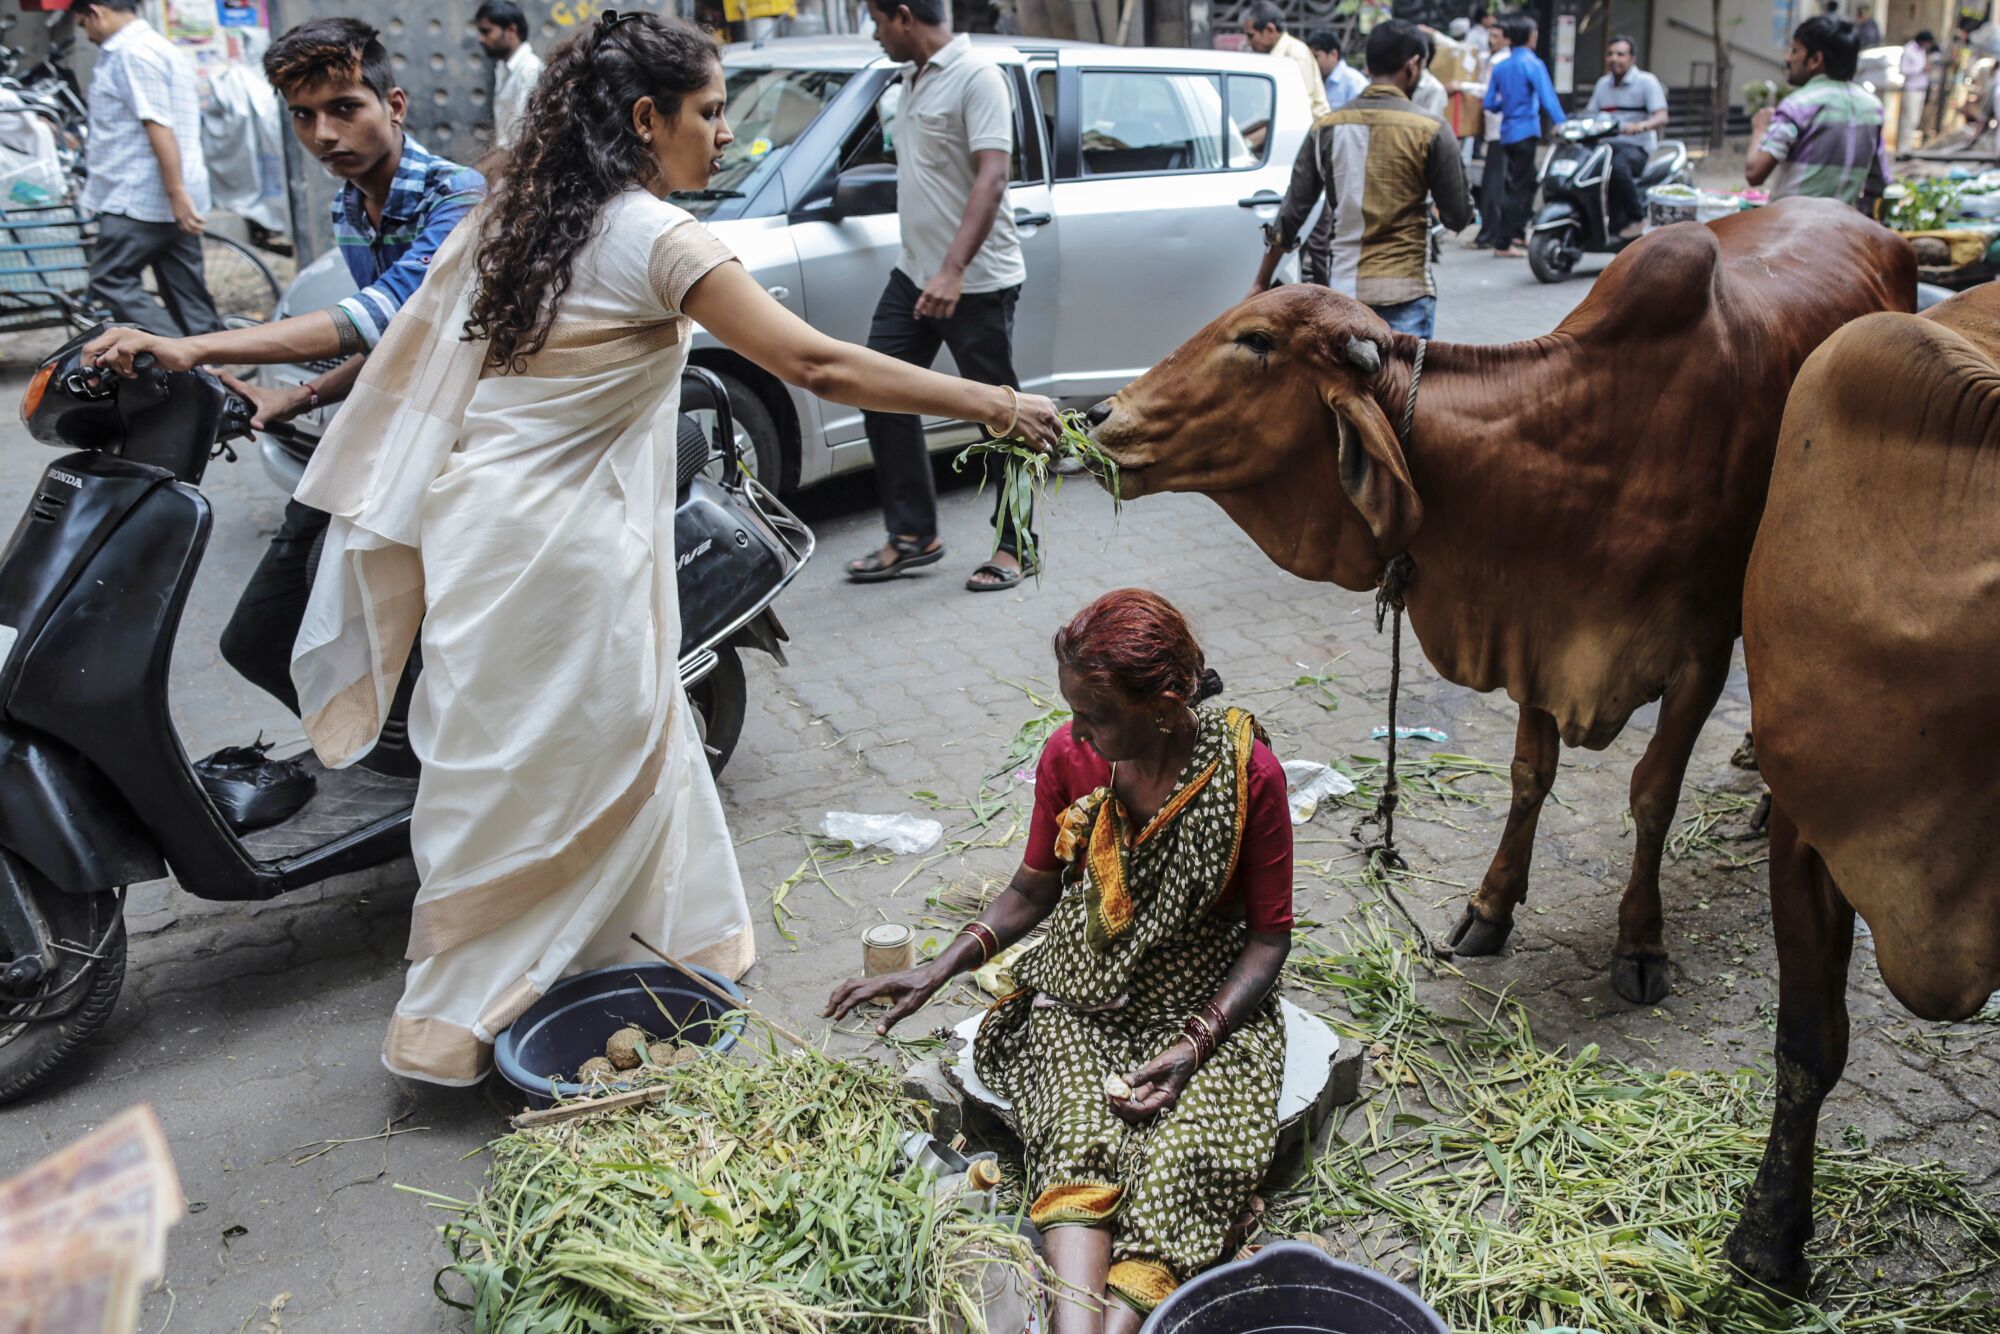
(1039, 422)
(119, 348)
(906, 993)
(1158, 1084)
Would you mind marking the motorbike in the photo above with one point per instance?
(96, 791)
(1576, 195)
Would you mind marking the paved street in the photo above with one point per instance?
(254, 1029)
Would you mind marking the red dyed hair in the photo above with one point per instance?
(1139, 642)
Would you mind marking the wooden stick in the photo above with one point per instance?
(610, 1102)
(731, 1001)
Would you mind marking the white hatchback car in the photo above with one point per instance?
(1141, 179)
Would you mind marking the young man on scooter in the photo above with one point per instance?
(396, 206)
(1640, 105)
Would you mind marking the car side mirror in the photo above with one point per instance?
(865, 191)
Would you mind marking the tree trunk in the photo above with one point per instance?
(1718, 111)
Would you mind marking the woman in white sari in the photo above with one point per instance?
(503, 477)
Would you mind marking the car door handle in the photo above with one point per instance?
(780, 293)
(1023, 218)
(1262, 199)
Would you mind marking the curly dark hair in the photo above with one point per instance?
(575, 151)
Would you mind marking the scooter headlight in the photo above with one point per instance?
(31, 401)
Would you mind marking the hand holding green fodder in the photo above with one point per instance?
(1025, 480)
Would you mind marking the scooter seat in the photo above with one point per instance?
(1660, 165)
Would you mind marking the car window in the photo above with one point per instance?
(1135, 121)
(1045, 94)
(768, 110)
(875, 140)
(1253, 100)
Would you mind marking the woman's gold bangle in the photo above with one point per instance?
(1013, 418)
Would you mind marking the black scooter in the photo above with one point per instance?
(96, 792)
(1576, 195)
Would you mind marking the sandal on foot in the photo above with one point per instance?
(1002, 577)
(910, 555)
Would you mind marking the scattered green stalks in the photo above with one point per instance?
(761, 1198)
(1026, 479)
(1530, 1188)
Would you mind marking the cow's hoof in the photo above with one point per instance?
(1746, 754)
(1641, 981)
(1768, 1263)
(1476, 937)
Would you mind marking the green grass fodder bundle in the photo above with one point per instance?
(755, 1197)
(1025, 479)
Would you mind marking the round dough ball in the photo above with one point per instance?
(623, 1048)
(596, 1070)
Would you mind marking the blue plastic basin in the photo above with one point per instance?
(1292, 1288)
(543, 1048)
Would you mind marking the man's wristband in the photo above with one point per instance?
(312, 396)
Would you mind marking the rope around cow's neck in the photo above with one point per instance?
(1383, 856)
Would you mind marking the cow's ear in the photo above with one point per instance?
(1373, 473)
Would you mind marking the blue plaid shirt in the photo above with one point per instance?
(426, 200)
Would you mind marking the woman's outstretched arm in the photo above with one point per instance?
(1028, 898)
(730, 304)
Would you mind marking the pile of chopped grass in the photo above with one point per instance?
(761, 1196)
(1027, 480)
(1531, 1188)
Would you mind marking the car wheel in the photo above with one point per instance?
(758, 438)
(1550, 255)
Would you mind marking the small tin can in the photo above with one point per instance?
(888, 948)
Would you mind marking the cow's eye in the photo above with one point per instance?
(1257, 341)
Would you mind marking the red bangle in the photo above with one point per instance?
(312, 395)
(989, 943)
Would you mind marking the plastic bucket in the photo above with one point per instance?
(565, 1028)
(1292, 1288)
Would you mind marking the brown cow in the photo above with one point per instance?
(1580, 507)
(1871, 623)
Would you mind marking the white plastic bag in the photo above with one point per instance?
(900, 834)
(1308, 782)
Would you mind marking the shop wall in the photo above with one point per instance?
(1758, 32)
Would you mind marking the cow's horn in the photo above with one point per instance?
(1364, 354)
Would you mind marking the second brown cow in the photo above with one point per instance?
(1580, 507)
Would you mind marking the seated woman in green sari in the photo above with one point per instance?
(1144, 1051)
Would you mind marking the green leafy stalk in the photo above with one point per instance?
(1026, 479)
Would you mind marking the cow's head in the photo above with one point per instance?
(1272, 410)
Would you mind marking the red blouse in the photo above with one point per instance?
(1262, 882)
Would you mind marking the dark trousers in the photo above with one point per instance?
(1316, 256)
(1628, 163)
(980, 334)
(125, 248)
(258, 640)
(1520, 191)
(1492, 196)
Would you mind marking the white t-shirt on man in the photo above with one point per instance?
(954, 105)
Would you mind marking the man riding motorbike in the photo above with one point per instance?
(396, 206)
(1640, 104)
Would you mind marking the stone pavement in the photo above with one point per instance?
(254, 1029)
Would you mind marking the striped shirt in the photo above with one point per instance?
(1827, 138)
(388, 262)
(140, 77)
(1379, 161)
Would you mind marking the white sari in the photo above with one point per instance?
(527, 521)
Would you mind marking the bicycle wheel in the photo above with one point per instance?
(242, 287)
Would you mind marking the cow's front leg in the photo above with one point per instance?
(1639, 968)
(1490, 916)
(1815, 930)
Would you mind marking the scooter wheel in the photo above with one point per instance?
(720, 701)
(1551, 256)
(41, 1031)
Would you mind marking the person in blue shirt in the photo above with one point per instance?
(396, 205)
(1521, 93)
